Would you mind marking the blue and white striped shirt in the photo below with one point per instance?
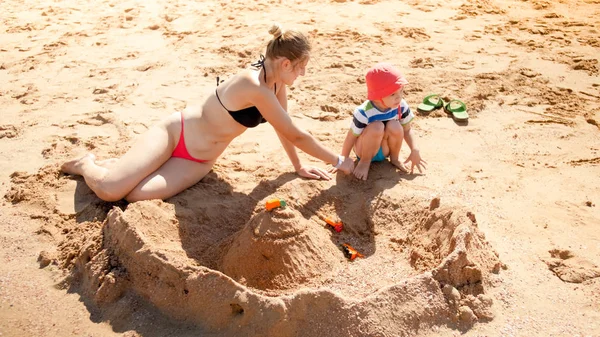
(367, 113)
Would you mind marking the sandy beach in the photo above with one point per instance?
(499, 236)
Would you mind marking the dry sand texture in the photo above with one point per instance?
(499, 237)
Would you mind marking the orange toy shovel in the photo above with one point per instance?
(350, 252)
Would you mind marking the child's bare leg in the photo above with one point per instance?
(394, 135)
(366, 147)
(146, 155)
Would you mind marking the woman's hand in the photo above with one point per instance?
(312, 172)
(347, 166)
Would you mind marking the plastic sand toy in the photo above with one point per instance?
(350, 252)
(275, 203)
(337, 225)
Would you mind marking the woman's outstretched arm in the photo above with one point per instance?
(274, 113)
(304, 171)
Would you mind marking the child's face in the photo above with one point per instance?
(394, 99)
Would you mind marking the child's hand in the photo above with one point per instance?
(312, 172)
(416, 160)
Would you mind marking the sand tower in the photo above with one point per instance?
(280, 250)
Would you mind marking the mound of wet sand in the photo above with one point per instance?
(216, 257)
(279, 250)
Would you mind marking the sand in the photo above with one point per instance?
(498, 237)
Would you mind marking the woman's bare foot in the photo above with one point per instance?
(361, 171)
(399, 165)
(107, 163)
(74, 166)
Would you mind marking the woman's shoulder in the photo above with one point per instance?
(247, 80)
(248, 77)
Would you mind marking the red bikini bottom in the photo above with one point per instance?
(181, 150)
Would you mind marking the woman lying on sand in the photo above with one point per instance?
(179, 151)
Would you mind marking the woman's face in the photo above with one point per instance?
(293, 70)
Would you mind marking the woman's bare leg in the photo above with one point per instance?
(173, 177)
(366, 147)
(146, 155)
(107, 163)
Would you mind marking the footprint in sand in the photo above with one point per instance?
(552, 16)
(499, 30)
(570, 268)
(25, 95)
(477, 7)
(330, 113)
(590, 40)
(148, 65)
(129, 56)
(54, 45)
(341, 38)
(98, 119)
(422, 62)
(156, 104)
(588, 65)
(417, 34)
(112, 96)
(540, 5)
(9, 131)
(28, 27)
(129, 15)
(56, 147)
(424, 6)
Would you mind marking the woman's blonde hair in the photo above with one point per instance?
(290, 44)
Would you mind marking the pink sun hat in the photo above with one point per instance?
(383, 79)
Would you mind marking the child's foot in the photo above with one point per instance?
(361, 171)
(399, 165)
(74, 166)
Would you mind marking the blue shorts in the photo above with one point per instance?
(378, 156)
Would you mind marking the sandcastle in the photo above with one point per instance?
(280, 250)
(282, 270)
(218, 259)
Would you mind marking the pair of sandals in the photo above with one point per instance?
(455, 107)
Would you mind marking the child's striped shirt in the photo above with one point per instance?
(367, 113)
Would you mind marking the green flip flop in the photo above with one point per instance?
(430, 103)
(458, 109)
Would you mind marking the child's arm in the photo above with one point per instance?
(415, 155)
(348, 143)
(410, 137)
(346, 148)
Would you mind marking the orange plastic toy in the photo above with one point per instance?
(338, 226)
(274, 203)
(350, 252)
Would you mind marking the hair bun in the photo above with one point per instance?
(275, 30)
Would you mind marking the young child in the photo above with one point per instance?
(381, 123)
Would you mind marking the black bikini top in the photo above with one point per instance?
(249, 117)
